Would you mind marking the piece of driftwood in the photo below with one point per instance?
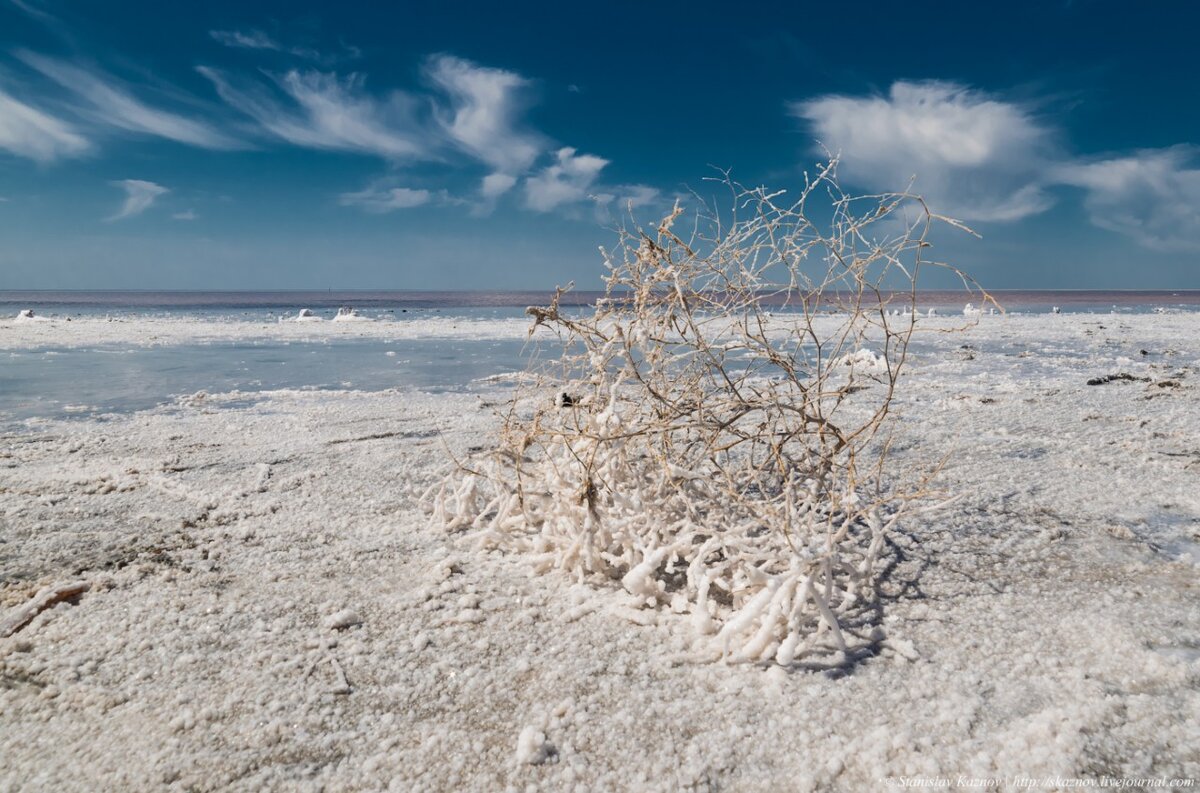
(21, 616)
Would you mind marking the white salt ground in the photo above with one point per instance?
(269, 610)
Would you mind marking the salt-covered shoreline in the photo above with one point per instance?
(167, 330)
(269, 608)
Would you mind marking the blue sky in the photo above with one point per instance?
(490, 145)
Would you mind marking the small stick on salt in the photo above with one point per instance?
(342, 684)
(21, 616)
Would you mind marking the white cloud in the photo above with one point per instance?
(139, 196)
(974, 157)
(1152, 196)
(380, 201)
(187, 214)
(486, 104)
(251, 40)
(28, 132)
(565, 182)
(328, 112)
(37, 13)
(629, 196)
(258, 40)
(497, 184)
(107, 103)
(619, 200)
(476, 110)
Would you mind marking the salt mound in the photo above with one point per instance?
(969, 310)
(27, 315)
(306, 315)
(864, 361)
(348, 314)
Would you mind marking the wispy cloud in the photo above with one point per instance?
(249, 40)
(258, 40)
(566, 181)
(107, 102)
(465, 109)
(1152, 196)
(28, 132)
(32, 9)
(381, 201)
(974, 156)
(139, 196)
(483, 118)
(322, 111)
(187, 214)
(629, 196)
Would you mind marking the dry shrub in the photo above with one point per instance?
(710, 436)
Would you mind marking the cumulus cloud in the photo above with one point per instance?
(140, 195)
(380, 201)
(109, 103)
(485, 108)
(566, 181)
(28, 132)
(973, 156)
(1152, 196)
(323, 111)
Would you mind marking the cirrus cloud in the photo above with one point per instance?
(380, 201)
(140, 195)
(321, 110)
(258, 40)
(29, 132)
(250, 40)
(105, 101)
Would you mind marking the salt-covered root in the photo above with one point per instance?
(21, 616)
(641, 580)
(787, 603)
(777, 615)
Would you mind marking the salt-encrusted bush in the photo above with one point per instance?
(711, 435)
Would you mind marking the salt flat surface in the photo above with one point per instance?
(269, 608)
